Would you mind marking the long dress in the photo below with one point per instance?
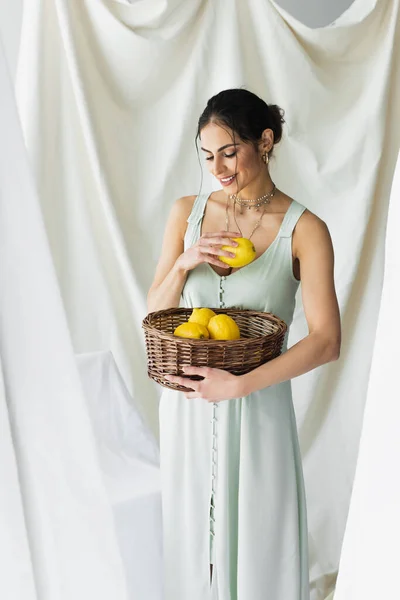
(231, 472)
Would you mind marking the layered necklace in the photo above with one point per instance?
(266, 199)
(263, 201)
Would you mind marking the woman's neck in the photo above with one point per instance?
(257, 188)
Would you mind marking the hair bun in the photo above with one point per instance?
(276, 114)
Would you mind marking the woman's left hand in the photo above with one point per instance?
(217, 384)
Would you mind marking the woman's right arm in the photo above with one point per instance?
(170, 277)
(175, 263)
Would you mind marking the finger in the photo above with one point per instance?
(192, 395)
(216, 251)
(219, 241)
(218, 263)
(201, 371)
(222, 238)
(184, 381)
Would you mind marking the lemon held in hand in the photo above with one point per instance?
(201, 316)
(244, 252)
(223, 327)
(193, 331)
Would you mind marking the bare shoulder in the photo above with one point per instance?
(179, 214)
(311, 232)
(183, 205)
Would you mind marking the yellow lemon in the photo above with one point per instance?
(223, 327)
(245, 253)
(201, 316)
(192, 331)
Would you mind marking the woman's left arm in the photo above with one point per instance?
(312, 245)
(322, 344)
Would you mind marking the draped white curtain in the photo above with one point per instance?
(57, 536)
(109, 94)
(370, 555)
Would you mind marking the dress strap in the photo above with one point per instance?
(291, 217)
(195, 218)
(197, 212)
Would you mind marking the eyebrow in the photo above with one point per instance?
(220, 149)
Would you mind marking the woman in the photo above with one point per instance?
(232, 481)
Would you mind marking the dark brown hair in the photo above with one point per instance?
(244, 113)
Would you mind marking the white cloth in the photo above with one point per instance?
(17, 579)
(371, 553)
(110, 93)
(57, 538)
(129, 460)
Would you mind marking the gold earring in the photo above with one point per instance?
(265, 158)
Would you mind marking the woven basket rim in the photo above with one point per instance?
(280, 324)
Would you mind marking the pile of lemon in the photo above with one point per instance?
(204, 324)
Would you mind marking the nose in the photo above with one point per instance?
(219, 169)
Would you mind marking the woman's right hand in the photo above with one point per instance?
(207, 249)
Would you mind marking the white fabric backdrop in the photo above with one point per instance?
(109, 94)
(129, 459)
(370, 558)
(57, 538)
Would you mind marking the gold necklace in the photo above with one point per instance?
(266, 199)
(234, 216)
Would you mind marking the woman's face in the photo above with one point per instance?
(236, 166)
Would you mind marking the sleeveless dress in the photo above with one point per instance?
(231, 473)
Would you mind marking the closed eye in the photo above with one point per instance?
(225, 155)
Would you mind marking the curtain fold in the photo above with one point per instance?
(57, 539)
(370, 552)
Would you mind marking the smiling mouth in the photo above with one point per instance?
(227, 180)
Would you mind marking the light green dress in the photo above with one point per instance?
(232, 481)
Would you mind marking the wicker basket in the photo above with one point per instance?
(261, 340)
